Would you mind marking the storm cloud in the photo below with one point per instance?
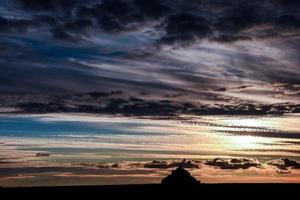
(225, 21)
(222, 57)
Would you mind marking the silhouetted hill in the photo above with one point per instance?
(180, 177)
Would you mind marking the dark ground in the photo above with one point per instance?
(223, 191)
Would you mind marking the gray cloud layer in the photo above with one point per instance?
(216, 53)
(225, 21)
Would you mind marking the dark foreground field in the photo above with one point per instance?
(232, 191)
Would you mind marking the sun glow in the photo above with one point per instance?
(249, 122)
(244, 142)
(240, 127)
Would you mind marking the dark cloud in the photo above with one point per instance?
(64, 35)
(115, 15)
(185, 27)
(96, 95)
(78, 25)
(235, 163)
(115, 44)
(288, 3)
(221, 89)
(285, 164)
(45, 20)
(230, 38)
(248, 109)
(240, 16)
(48, 5)
(181, 21)
(155, 164)
(287, 21)
(172, 164)
(120, 15)
(287, 89)
(5, 161)
(152, 9)
(266, 133)
(73, 31)
(14, 25)
(118, 102)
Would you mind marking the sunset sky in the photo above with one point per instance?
(190, 79)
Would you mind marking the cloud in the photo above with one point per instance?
(155, 164)
(185, 27)
(119, 102)
(119, 15)
(73, 31)
(266, 133)
(114, 15)
(189, 164)
(14, 25)
(206, 51)
(285, 164)
(152, 9)
(195, 21)
(48, 5)
(109, 105)
(287, 3)
(235, 163)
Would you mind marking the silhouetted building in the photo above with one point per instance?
(180, 176)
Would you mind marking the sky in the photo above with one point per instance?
(64, 149)
(202, 56)
(154, 71)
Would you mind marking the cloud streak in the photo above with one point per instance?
(206, 50)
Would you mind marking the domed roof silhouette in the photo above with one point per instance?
(180, 176)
